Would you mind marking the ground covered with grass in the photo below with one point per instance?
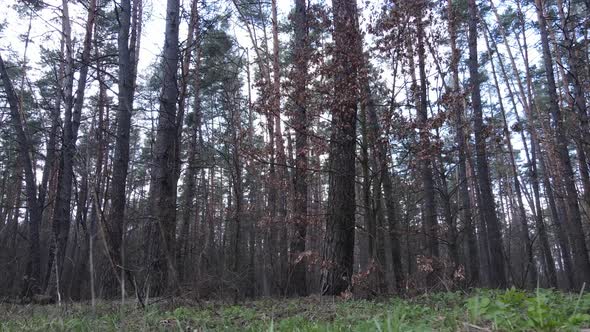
(480, 310)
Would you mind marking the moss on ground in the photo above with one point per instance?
(481, 310)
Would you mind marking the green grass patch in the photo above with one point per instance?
(508, 310)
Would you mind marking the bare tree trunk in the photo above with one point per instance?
(393, 219)
(298, 260)
(25, 150)
(114, 224)
(280, 149)
(368, 236)
(164, 179)
(61, 212)
(576, 233)
(430, 217)
(374, 152)
(488, 209)
(574, 75)
(52, 148)
(98, 181)
(238, 191)
(193, 41)
(269, 105)
(526, 100)
(529, 277)
(464, 204)
(338, 249)
(8, 234)
(72, 116)
(75, 271)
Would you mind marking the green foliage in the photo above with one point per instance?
(516, 310)
(509, 310)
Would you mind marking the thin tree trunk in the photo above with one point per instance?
(190, 179)
(72, 116)
(529, 270)
(526, 100)
(298, 260)
(25, 150)
(575, 63)
(464, 204)
(280, 149)
(114, 224)
(579, 249)
(488, 209)
(430, 217)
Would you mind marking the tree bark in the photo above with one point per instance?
(164, 179)
(114, 224)
(457, 101)
(488, 208)
(338, 251)
(280, 149)
(526, 100)
(429, 218)
(193, 43)
(576, 233)
(298, 260)
(25, 150)
(529, 277)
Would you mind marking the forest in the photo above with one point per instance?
(234, 151)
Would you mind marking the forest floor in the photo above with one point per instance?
(480, 310)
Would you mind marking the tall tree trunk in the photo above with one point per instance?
(72, 115)
(338, 249)
(464, 204)
(52, 148)
(298, 261)
(374, 152)
(237, 186)
(393, 219)
(429, 218)
(280, 149)
(529, 277)
(526, 100)
(25, 150)
(11, 247)
(115, 223)
(98, 181)
(575, 75)
(61, 212)
(164, 179)
(488, 208)
(449, 217)
(576, 232)
(190, 179)
(76, 270)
